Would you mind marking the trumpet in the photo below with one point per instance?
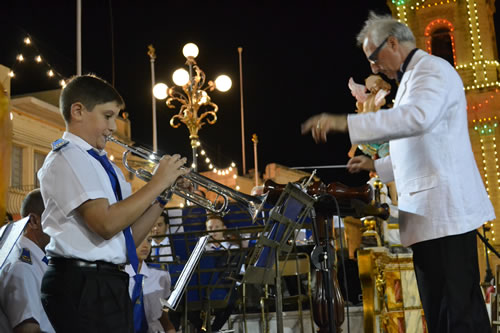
(253, 204)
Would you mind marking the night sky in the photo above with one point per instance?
(297, 59)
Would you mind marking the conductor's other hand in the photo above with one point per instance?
(321, 124)
(169, 169)
(359, 163)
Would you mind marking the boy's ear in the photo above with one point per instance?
(34, 221)
(77, 109)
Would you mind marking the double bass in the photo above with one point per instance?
(328, 303)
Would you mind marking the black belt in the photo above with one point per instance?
(60, 262)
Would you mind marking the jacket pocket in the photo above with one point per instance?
(420, 184)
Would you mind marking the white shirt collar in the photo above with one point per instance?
(75, 139)
(145, 270)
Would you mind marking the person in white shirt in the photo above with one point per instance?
(441, 196)
(162, 253)
(21, 275)
(220, 240)
(94, 220)
(156, 284)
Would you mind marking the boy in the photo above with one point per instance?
(88, 205)
(21, 275)
(160, 228)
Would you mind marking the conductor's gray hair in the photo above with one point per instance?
(379, 27)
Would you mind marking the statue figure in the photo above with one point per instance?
(370, 98)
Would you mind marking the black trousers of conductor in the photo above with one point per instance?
(87, 300)
(448, 282)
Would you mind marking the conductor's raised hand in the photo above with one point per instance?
(320, 125)
(360, 163)
(169, 169)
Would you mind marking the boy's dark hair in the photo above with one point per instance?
(89, 90)
(32, 203)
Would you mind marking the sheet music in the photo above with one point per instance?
(180, 286)
(10, 233)
(175, 221)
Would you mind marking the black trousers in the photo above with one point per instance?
(448, 283)
(84, 299)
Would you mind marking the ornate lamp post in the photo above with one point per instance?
(190, 94)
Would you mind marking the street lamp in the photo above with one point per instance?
(190, 94)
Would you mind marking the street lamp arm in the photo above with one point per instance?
(176, 117)
(212, 121)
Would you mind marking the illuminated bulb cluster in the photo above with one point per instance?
(478, 106)
(477, 50)
(485, 129)
(426, 4)
(480, 62)
(209, 164)
(402, 17)
(483, 85)
(438, 23)
(38, 59)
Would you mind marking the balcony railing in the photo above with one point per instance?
(15, 197)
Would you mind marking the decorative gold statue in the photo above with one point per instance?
(370, 98)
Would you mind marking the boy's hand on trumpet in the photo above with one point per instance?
(169, 169)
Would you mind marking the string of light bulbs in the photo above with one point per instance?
(210, 165)
(478, 106)
(39, 59)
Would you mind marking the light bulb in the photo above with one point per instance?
(223, 83)
(190, 50)
(160, 91)
(180, 77)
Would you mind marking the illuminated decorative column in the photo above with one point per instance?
(190, 94)
(486, 128)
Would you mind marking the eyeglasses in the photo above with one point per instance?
(373, 58)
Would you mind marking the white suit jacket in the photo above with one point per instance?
(440, 190)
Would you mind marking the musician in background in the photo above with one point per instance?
(162, 253)
(220, 239)
(441, 199)
(155, 285)
(91, 214)
(21, 276)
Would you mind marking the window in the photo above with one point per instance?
(441, 45)
(39, 158)
(16, 176)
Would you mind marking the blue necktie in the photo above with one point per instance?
(140, 323)
(45, 260)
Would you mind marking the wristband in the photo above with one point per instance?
(161, 201)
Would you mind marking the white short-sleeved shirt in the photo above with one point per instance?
(166, 250)
(69, 177)
(156, 285)
(20, 283)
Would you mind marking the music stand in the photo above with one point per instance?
(214, 280)
(288, 215)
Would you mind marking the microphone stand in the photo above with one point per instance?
(489, 274)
